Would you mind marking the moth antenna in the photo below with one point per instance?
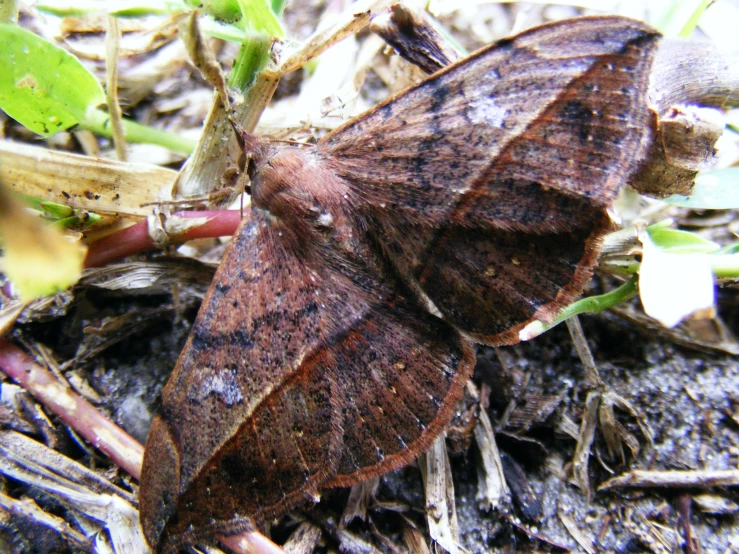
(290, 142)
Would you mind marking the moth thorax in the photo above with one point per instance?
(294, 183)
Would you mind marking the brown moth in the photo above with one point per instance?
(316, 360)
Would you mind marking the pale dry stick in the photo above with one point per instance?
(413, 538)
(9, 312)
(304, 539)
(715, 504)
(352, 542)
(590, 416)
(492, 491)
(203, 57)
(640, 478)
(217, 153)
(353, 20)
(583, 351)
(360, 497)
(585, 440)
(582, 539)
(27, 510)
(116, 514)
(112, 41)
(441, 513)
(44, 467)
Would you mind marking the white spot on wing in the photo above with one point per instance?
(485, 110)
(223, 384)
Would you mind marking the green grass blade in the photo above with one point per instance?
(278, 6)
(98, 122)
(258, 16)
(122, 8)
(588, 305)
(677, 241)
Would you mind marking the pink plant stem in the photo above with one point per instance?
(126, 242)
(74, 410)
(250, 543)
(137, 238)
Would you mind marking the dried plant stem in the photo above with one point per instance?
(673, 479)
(217, 150)
(585, 440)
(27, 510)
(493, 489)
(117, 188)
(211, 165)
(74, 410)
(583, 352)
(582, 539)
(112, 40)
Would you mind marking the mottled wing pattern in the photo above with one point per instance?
(305, 368)
(496, 172)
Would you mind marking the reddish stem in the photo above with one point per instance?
(126, 242)
(250, 543)
(74, 410)
(137, 238)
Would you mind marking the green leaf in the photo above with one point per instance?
(258, 16)
(732, 248)
(726, 266)
(221, 30)
(278, 6)
(122, 8)
(42, 86)
(55, 210)
(678, 242)
(713, 190)
(223, 10)
(60, 215)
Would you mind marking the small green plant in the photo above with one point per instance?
(48, 90)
